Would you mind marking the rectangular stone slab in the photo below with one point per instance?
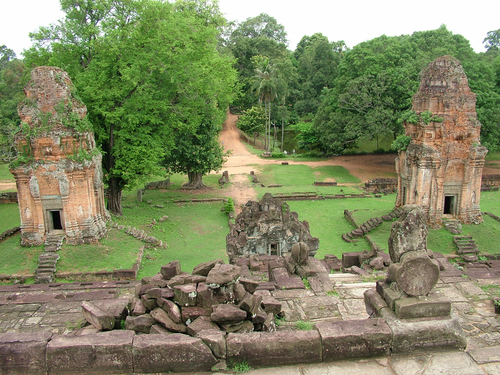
(23, 353)
(100, 353)
(171, 353)
(421, 307)
(354, 339)
(274, 349)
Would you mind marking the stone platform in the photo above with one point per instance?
(56, 309)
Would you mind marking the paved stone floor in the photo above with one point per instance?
(56, 308)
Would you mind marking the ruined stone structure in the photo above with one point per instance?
(267, 228)
(58, 172)
(442, 166)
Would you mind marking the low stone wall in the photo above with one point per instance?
(490, 182)
(8, 197)
(124, 352)
(382, 185)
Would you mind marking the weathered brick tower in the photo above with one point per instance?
(58, 171)
(442, 167)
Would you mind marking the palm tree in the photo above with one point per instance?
(264, 83)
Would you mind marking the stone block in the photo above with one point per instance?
(249, 285)
(171, 353)
(149, 303)
(191, 313)
(100, 353)
(23, 353)
(350, 259)
(185, 295)
(215, 340)
(271, 305)
(205, 296)
(98, 318)
(162, 317)
(171, 269)
(227, 313)
(413, 335)
(222, 274)
(204, 268)
(118, 308)
(201, 323)
(354, 339)
(157, 329)
(421, 307)
(141, 323)
(275, 349)
(172, 310)
(374, 303)
(139, 308)
(390, 293)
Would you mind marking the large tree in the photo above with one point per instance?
(150, 71)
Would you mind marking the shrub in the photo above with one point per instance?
(229, 206)
(277, 155)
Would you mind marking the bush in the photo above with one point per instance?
(229, 206)
(277, 155)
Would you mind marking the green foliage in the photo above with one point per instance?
(253, 120)
(277, 155)
(229, 206)
(149, 73)
(239, 367)
(304, 326)
(306, 136)
(401, 143)
(305, 280)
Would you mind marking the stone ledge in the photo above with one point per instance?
(124, 352)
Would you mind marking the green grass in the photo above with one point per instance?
(5, 175)
(195, 233)
(18, 260)
(492, 156)
(117, 251)
(304, 326)
(9, 216)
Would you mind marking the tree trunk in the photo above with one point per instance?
(282, 134)
(114, 197)
(195, 181)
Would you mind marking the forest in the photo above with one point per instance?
(158, 77)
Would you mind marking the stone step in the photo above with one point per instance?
(48, 256)
(45, 271)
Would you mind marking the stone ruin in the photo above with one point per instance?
(215, 298)
(58, 172)
(412, 276)
(442, 167)
(267, 228)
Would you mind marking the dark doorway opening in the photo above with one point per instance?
(449, 205)
(274, 249)
(56, 220)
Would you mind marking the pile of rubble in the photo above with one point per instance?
(215, 297)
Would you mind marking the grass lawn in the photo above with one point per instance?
(194, 232)
(18, 260)
(5, 175)
(9, 216)
(117, 251)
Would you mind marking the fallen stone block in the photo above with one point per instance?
(203, 269)
(171, 353)
(118, 308)
(354, 339)
(141, 323)
(171, 269)
(185, 295)
(215, 340)
(98, 318)
(202, 323)
(23, 353)
(222, 274)
(162, 317)
(275, 349)
(173, 311)
(100, 353)
(227, 313)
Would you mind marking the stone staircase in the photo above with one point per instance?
(466, 248)
(453, 226)
(47, 261)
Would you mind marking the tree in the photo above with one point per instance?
(11, 93)
(265, 84)
(253, 121)
(151, 71)
(492, 40)
(257, 36)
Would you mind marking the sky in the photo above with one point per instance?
(353, 21)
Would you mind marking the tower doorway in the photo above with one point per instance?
(449, 205)
(55, 220)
